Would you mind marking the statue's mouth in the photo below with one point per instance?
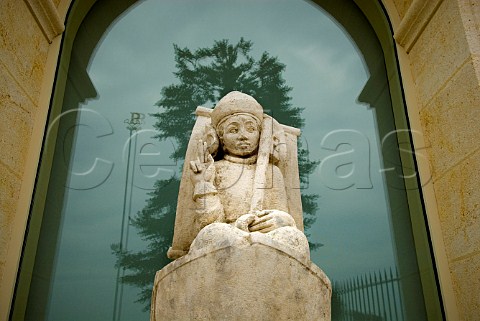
(243, 145)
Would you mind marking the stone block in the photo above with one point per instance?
(450, 122)
(458, 199)
(241, 282)
(9, 191)
(402, 6)
(440, 51)
(23, 47)
(470, 10)
(17, 124)
(466, 280)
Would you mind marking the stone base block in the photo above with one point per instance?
(241, 282)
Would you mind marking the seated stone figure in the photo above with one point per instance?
(235, 184)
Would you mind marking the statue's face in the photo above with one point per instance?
(240, 135)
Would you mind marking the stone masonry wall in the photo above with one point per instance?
(23, 53)
(445, 64)
(26, 31)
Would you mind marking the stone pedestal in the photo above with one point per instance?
(255, 279)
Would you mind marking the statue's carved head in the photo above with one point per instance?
(236, 124)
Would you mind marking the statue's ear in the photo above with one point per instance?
(211, 137)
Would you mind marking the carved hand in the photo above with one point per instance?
(203, 168)
(244, 221)
(269, 220)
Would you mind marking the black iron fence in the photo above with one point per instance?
(370, 297)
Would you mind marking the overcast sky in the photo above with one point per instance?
(131, 65)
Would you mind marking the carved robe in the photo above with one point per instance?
(230, 195)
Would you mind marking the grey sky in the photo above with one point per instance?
(131, 65)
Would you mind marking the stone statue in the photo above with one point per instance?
(243, 186)
(239, 248)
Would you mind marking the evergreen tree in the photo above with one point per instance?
(205, 76)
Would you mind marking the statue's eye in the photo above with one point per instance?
(233, 130)
(250, 129)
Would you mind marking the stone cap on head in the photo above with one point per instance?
(236, 102)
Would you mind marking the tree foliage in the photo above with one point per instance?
(206, 75)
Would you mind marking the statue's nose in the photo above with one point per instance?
(242, 134)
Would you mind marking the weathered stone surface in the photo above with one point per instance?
(23, 52)
(414, 22)
(47, 17)
(470, 13)
(245, 281)
(439, 52)
(450, 122)
(466, 281)
(219, 235)
(402, 6)
(23, 47)
(458, 198)
(10, 187)
(14, 108)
